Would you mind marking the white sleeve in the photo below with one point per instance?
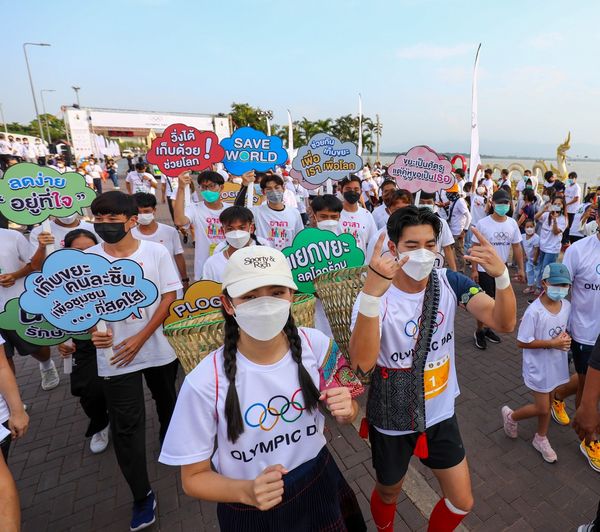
(446, 238)
(208, 272)
(169, 278)
(569, 262)
(177, 247)
(33, 236)
(372, 229)
(517, 237)
(25, 249)
(526, 332)
(193, 427)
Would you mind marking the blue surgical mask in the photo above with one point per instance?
(556, 293)
(501, 209)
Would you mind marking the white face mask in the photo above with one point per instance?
(529, 230)
(263, 318)
(68, 220)
(237, 239)
(420, 263)
(145, 218)
(237, 180)
(546, 197)
(329, 225)
(427, 206)
(480, 191)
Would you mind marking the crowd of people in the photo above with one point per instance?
(246, 427)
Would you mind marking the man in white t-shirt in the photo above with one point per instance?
(139, 349)
(60, 227)
(369, 191)
(488, 181)
(445, 243)
(381, 213)
(503, 234)
(5, 152)
(140, 180)
(523, 182)
(459, 220)
(403, 331)
(354, 219)
(149, 229)
(301, 195)
(41, 151)
(203, 216)
(94, 170)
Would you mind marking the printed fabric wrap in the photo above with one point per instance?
(335, 372)
(396, 398)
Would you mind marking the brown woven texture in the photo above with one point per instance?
(194, 338)
(338, 291)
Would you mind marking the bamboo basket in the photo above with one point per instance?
(194, 338)
(338, 291)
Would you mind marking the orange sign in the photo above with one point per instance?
(231, 190)
(200, 298)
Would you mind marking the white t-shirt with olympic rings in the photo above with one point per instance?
(277, 428)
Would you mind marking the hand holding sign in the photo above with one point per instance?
(182, 147)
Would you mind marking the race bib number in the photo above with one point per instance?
(436, 377)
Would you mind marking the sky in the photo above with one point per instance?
(412, 61)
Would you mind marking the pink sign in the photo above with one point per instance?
(183, 148)
(422, 169)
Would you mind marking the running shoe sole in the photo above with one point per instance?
(583, 451)
(556, 420)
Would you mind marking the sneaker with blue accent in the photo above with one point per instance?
(143, 513)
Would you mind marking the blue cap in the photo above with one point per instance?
(556, 273)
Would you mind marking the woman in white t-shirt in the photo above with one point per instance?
(545, 342)
(553, 222)
(258, 398)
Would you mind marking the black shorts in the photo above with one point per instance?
(487, 283)
(392, 454)
(12, 342)
(581, 356)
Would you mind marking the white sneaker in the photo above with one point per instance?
(99, 441)
(590, 527)
(541, 444)
(510, 425)
(50, 378)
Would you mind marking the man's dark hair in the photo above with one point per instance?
(504, 171)
(71, 236)
(529, 195)
(144, 200)
(114, 202)
(236, 213)
(548, 174)
(488, 171)
(412, 216)
(572, 175)
(349, 179)
(402, 194)
(388, 182)
(140, 167)
(460, 172)
(427, 195)
(271, 178)
(211, 177)
(327, 202)
(468, 187)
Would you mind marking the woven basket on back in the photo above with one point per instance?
(194, 338)
(337, 291)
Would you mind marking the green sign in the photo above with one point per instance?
(30, 194)
(33, 328)
(315, 252)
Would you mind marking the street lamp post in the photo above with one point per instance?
(46, 114)
(268, 117)
(76, 89)
(37, 114)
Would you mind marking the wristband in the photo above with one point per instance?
(369, 305)
(503, 280)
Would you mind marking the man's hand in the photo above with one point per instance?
(18, 423)
(185, 178)
(66, 350)
(587, 422)
(381, 270)
(7, 280)
(339, 403)
(484, 254)
(45, 239)
(267, 489)
(126, 350)
(248, 177)
(562, 342)
(102, 340)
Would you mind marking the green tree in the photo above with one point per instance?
(244, 114)
(56, 125)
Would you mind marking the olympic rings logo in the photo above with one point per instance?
(411, 328)
(278, 407)
(502, 235)
(555, 332)
(598, 269)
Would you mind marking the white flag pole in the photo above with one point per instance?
(360, 146)
(474, 159)
(290, 136)
(268, 126)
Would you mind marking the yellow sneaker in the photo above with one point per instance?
(559, 412)
(592, 453)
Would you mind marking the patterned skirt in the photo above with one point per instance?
(316, 498)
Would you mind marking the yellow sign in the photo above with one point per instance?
(200, 298)
(436, 376)
(230, 192)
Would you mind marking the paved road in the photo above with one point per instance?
(64, 487)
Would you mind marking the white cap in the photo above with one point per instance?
(253, 267)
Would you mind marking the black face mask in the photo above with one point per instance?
(111, 233)
(351, 197)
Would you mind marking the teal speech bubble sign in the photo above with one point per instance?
(30, 193)
(315, 252)
(33, 328)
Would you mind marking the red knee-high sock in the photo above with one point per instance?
(383, 514)
(445, 517)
